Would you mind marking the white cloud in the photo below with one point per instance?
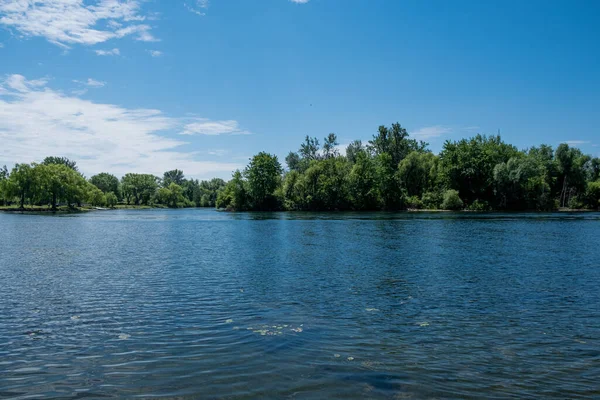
(576, 142)
(207, 127)
(66, 22)
(1, 45)
(300, 1)
(113, 52)
(429, 132)
(200, 4)
(91, 83)
(155, 53)
(37, 121)
(94, 83)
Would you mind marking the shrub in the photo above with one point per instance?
(432, 200)
(479, 205)
(452, 201)
(414, 202)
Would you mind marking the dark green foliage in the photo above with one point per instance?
(139, 188)
(468, 166)
(234, 195)
(111, 199)
(264, 177)
(293, 161)
(353, 150)
(61, 161)
(174, 176)
(394, 172)
(106, 182)
(329, 146)
(452, 200)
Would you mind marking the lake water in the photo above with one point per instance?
(200, 304)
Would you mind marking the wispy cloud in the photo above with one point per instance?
(212, 128)
(430, 132)
(1, 45)
(155, 53)
(300, 1)
(37, 121)
(113, 52)
(198, 7)
(91, 83)
(68, 22)
(576, 142)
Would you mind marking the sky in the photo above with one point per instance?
(202, 85)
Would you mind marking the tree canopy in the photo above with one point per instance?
(392, 172)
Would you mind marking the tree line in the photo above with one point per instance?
(57, 181)
(395, 172)
(390, 172)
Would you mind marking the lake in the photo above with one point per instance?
(203, 304)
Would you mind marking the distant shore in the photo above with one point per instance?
(84, 209)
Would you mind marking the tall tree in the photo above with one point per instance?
(61, 161)
(309, 150)
(329, 146)
(293, 161)
(353, 150)
(139, 187)
(264, 177)
(106, 182)
(174, 176)
(468, 166)
(22, 183)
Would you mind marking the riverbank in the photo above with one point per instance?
(68, 210)
(73, 210)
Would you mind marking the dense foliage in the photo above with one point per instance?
(57, 182)
(390, 172)
(395, 172)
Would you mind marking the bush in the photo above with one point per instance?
(111, 199)
(414, 202)
(479, 205)
(432, 200)
(593, 194)
(575, 203)
(452, 201)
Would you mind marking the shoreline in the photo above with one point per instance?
(78, 210)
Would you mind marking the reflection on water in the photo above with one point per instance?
(198, 303)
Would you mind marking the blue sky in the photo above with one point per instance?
(146, 86)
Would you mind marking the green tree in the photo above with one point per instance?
(468, 166)
(293, 161)
(520, 184)
(106, 182)
(417, 173)
(61, 161)
(22, 183)
(111, 199)
(174, 176)
(452, 200)
(139, 188)
(389, 192)
(60, 182)
(395, 141)
(353, 150)
(264, 177)
(309, 150)
(329, 146)
(234, 195)
(95, 196)
(3, 185)
(170, 196)
(362, 182)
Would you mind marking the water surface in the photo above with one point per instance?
(200, 304)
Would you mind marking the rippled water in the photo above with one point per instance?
(200, 304)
